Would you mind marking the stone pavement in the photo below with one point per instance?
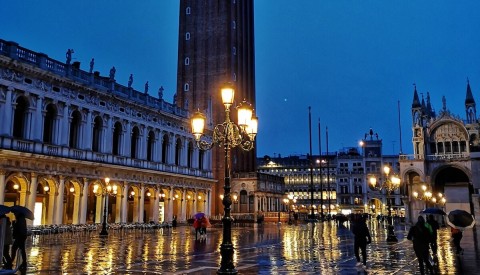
(322, 248)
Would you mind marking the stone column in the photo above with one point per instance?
(196, 201)
(6, 126)
(118, 207)
(76, 206)
(2, 186)
(38, 129)
(87, 133)
(155, 205)
(59, 201)
(32, 196)
(65, 125)
(208, 204)
(84, 202)
(170, 205)
(183, 206)
(51, 207)
(141, 204)
(124, 202)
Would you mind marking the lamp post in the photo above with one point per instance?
(429, 197)
(390, 184)
(107, 190)
(230, 135)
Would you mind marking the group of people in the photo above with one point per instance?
(16, 236)
(423, 235)
(200, 225)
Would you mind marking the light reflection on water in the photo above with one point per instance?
(281, 249)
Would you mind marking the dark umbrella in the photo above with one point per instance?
(4, 209)
(199, 215)
(17, 209)
(434, 211)
(460, 219)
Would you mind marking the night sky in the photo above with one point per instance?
(351, 61)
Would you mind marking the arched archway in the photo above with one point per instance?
(455, 184)
(20, 117)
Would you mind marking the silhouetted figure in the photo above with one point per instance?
(68, 55)
(435, 226)
(174, 221)
(160, 92)
(146, 87)
(8, 240)
(19, 236)
(457, 236)
(112, 73)
(361, 239)
(421, 237)
(92, 62)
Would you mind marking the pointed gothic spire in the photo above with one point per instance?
(429, 106)
(416, 101)
(469, 97)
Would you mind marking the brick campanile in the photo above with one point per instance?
(216, 45)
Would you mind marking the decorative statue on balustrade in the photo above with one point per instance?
(160, 93)
(69, 56)
(130, 81)
(92, 62)
(112, 73)
(146, 87)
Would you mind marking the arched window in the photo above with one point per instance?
(190, 155)
(187, 61)
(97, 134)
(186, 87)
(178, 151)
(165, 146)
(134, 142)
(150, 145)
(20, 118)
(48, 123)
(117, 138)
(75, 126)
(188, 10)
(201, 153)
(187, 36)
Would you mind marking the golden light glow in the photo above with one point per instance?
(46, 188)
(228, 95)
(72, 189)
(16, 186)
(198, 124)
(244, 115)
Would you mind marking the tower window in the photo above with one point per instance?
(234, 24)
(234, 50)
(186, 87)
(187, 36)
(187, 61)
(188, 10)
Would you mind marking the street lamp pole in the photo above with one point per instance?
(230, 135)
(390, 185)
(104, 231)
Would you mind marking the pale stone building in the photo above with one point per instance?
(446, 153)
(64, 130)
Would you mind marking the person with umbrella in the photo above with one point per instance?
(8, 240)
(19, 236)
(459, 220)
(434, 226)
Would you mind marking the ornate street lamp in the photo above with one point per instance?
(390, 184)
(230, 135)
(107, 190)
(429, 197)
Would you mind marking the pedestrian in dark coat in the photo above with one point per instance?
(435, 226)
(7, 260)
(361, 238)
(421, 237)
(20, 236)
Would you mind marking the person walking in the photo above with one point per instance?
(361, 239)
(434, 226)
(19, 236)
(421, 237)
(457, 237)
(8, 240)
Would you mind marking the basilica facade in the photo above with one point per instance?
(74, 143)
(446, 158)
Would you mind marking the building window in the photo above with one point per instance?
(234, 24)
(20, 118)
(234, 50)
(190, 155)
(188, 10)
(150, 145)
(178, 151)
(187, 61)
(97, 133)
(186, 87)
(49, 124)
(165, 146)
(117, 138)
(187, 36)
(134, 142)
(75, 125)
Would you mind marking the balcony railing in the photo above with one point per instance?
(87, 155)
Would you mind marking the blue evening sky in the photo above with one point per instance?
(351, 61)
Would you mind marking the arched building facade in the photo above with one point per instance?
(446, 159)
(64, 130)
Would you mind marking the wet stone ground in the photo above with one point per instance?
(321, 248)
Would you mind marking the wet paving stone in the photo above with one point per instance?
(321, 248)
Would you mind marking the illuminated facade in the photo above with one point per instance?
(64, 130)
(446, 153)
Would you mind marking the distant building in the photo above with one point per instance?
(446, 158)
